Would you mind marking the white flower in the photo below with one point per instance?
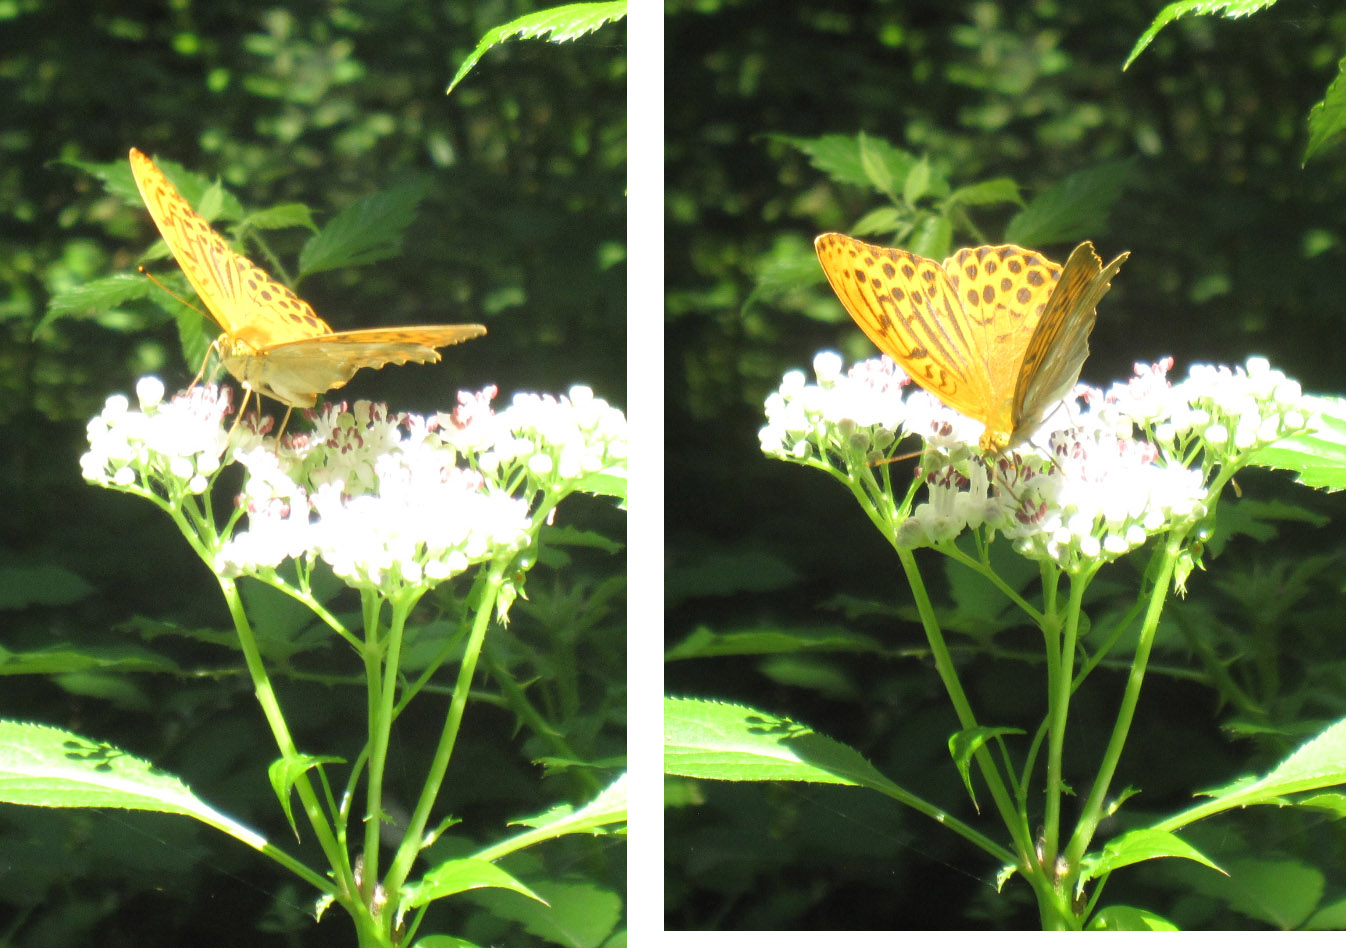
(1081, 488)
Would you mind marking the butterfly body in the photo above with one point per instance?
(998, 333)
(272, 341)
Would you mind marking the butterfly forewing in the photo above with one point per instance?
(1059, 344)
(907, 307)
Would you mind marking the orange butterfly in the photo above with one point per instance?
(997, 333)
(273, 342)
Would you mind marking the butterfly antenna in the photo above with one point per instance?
(155, 280)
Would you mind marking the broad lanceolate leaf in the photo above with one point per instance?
(1138, 846)
(459, 875)
(1073, 209)
(1319, 763)
(563, 23)
(714, 741)
(1327, 119)
(598, 816)
(1231, 9)
(46, 766)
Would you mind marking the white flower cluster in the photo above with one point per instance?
(387, 501)
(179, 440)
(1091, 491)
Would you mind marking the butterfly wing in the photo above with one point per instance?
(1059, 343)
(907, 307)
(1004, 290)
(249, 306)
(295, 373)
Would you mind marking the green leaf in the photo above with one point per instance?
(878, 172)
(932, 237)
(1327, 119)
(1319, 457)
(44, 585)
(885, 220)
(715, 741)
(280, 217)
(1231, 9)
(704, 642)
(1125, 918)
(576, 914)
(563, 23)
(1073, 209)
(96, 296)
(839, 156)
(370, 229)
(1319, 763)
(444, 941)
(46, 766)
(1280, 892)
(963, 744)
(597, 817)
(1139, 846)
(284, 773)
(69, 659)
(459, 875)
(917, 183)
(990, 191)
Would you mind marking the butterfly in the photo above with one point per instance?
(273, 342)
(997, 333)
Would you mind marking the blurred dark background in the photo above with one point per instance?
(1237, 249)
(523, 229)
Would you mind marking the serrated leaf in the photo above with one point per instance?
(1327, 119)
(96, 296)
(838, 156)
(370, 229)
(1139, 846)
(1317, 764)
(67, 659)
(563, 23)
(1231, 9)
(577, 914)
(46, 766)
(1072, 209)
(460, 875)
(878, 173)
(715, 741)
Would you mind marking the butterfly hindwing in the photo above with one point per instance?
(1059, 344)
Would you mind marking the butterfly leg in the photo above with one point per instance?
(283, 422)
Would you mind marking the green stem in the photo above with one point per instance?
(1092, 813)
(275, 718)
(1057, 710)
(948, 674)
(412, 841)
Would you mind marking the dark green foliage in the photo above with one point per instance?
(501, 204)
(1191, 160)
